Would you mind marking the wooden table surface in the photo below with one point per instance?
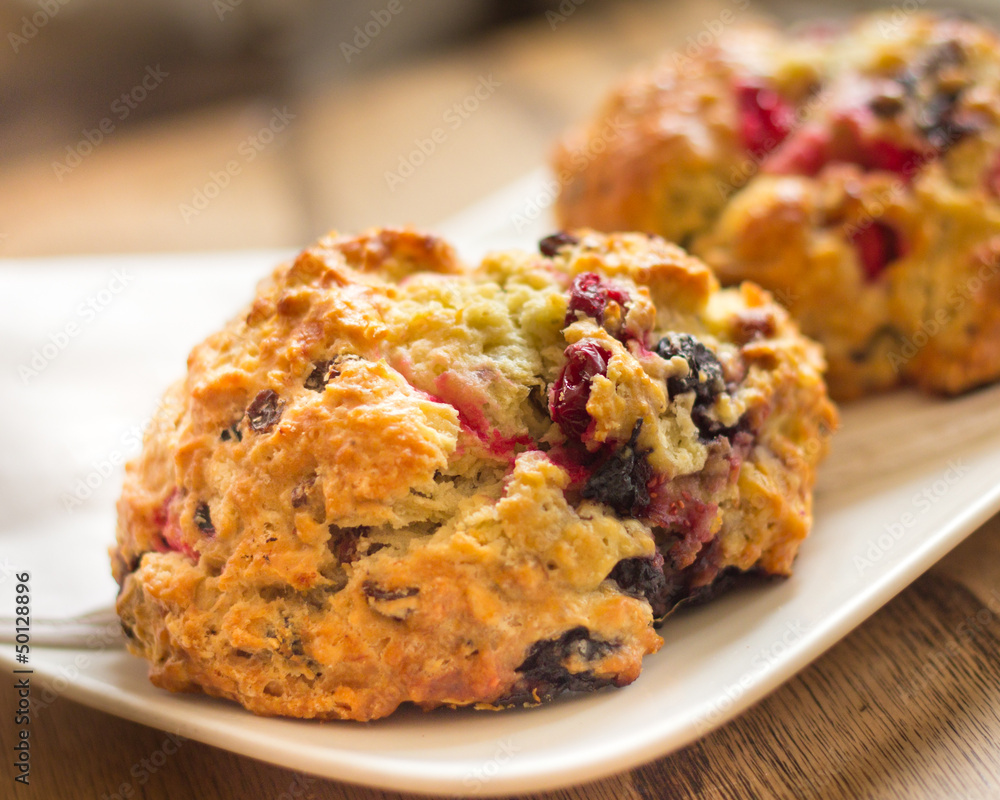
(846, 727)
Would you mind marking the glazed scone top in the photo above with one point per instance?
(853, 171)
(685, 133)
(359, 496)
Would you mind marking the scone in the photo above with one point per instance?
(396, 479)
(853, 172)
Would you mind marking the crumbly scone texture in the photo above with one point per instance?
(854, 172)
(397, 479)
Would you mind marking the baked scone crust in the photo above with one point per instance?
(358, 497)
(853, 172)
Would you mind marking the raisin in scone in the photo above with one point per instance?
(396, 479)
(854, 172)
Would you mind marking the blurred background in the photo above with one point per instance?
(209, 125)
(219, 124)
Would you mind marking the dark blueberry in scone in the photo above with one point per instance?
(559, 665)
(704, 373)
(644, 578)
(704, 378)
(454, 486)
(621, 481)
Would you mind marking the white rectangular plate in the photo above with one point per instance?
(909, 477)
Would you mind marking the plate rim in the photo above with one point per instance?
(337, 764)
(584, 765)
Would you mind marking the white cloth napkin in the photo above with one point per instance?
(87, 345)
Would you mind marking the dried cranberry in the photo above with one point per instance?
(805, 153)
(622, 480)
(343, 542)
(551, 245)
(568, 405)
(171, 536)
(765, 118)
(573, 457)
(161, 515)
(678, 509)
(846, 142)
(265, 411)
(619, 296)
(707, 566)
(852, 144)
(877, 246)
(589, 295)
(885, 156)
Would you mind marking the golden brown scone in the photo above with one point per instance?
(853, 172)
(395, 479)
